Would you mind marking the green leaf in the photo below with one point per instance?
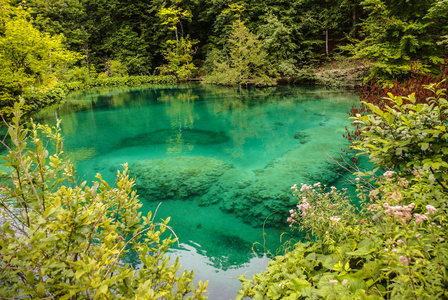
(330, 262)
(79, 273)
(30, 278)
(103, 289)
(424, 146)
(298, 283)
(40, 289)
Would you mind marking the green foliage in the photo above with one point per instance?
(180, 59)
(246, 62)
(399, 32)
(114, 68)
(116, 81)
(63, 239)
(179, 52)
(408, 136)
(28, 57)
(277, 40)
(394, 247)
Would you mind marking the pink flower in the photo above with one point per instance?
(335, 219)
(419, 218)
(305, 187)
(404, 260)
(326, 232)
(388, 175)
(294, 187)
(333, 281)
(395, 251)
(431, 209)
(400, 241)
(344, 282)
(316, 184)
(386, 250)
(441, 239)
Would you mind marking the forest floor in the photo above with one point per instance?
(345, 74)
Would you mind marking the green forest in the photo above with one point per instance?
(61, 238)
(43, 43)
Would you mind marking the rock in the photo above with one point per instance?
(177, 177)
(267, 197)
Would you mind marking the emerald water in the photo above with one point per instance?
(219, 161)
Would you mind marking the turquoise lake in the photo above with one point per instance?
(219, 161)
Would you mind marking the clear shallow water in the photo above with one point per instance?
(220, 161)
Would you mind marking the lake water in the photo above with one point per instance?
(220, 161)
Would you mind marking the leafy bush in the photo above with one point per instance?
(117, 81)
(60, 239)
(394, 245)
(377, 94)
(36, 99)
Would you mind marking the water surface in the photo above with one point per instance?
(220, 161)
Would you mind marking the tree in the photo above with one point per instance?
(62, 239)
(28, 57)
(278, 41)
(245, 61)
(398, 33)
(179, 52)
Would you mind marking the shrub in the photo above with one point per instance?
(60, 239)
(377, 94)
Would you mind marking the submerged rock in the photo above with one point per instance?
(303, 137)
(264, 197)
(177, 177)
(164, 136)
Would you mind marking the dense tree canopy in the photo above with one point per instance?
(293, 34)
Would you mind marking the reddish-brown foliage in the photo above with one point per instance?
(376, 94)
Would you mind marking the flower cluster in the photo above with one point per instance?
(405, 260)
(335, 219)
(305, 187)
(304, 206)
(402, 213)
(389, 175)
